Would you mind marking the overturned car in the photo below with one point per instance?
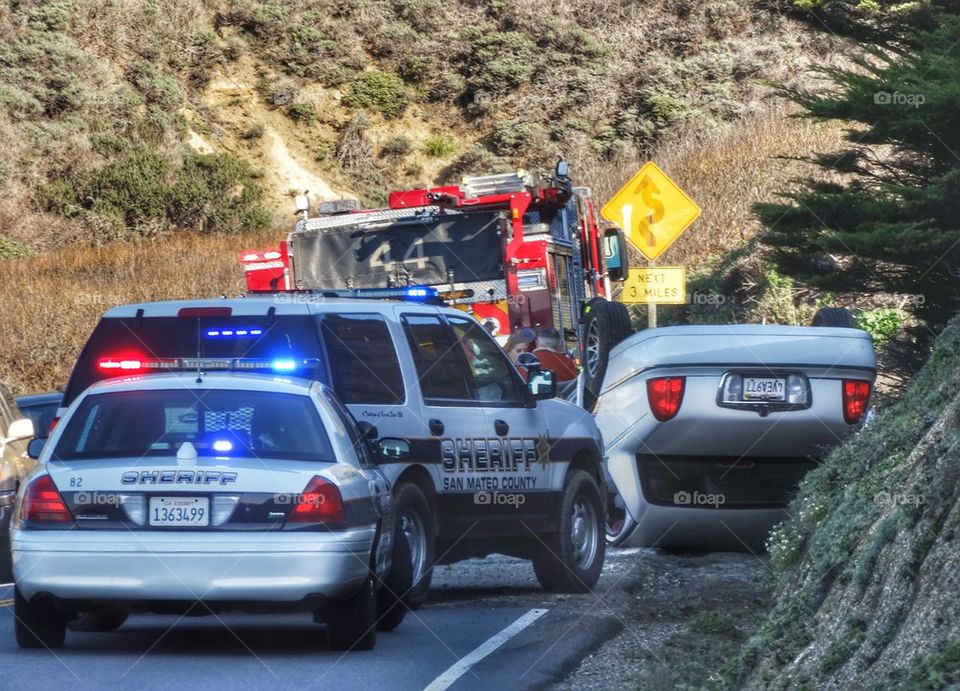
(708, 429)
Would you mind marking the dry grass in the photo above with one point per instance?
(51, 302)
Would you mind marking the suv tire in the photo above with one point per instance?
(391, 605)
(38, 624)
(570, 560)
(415, 522)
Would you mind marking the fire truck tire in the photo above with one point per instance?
(605, 325)
(834, 316)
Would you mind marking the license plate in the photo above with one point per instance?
(764, 389)
(180, 511)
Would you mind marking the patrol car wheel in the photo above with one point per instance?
(416, 523)
(38, 624)
(391, 608)
(571, 559)
(352, 623)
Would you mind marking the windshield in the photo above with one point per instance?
(206, 337)
(244, 424)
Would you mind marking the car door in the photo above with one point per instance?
(509, 469)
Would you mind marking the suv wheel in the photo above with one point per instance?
(571, 559)
(416, 523)
(352, 623)
(38, 624)
(391, 608)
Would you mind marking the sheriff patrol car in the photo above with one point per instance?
(479, 461)
(196, 493)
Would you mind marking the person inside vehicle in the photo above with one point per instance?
(550, 353)
(519, 342)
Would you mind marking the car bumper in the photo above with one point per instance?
(127, 566)
(736, 530)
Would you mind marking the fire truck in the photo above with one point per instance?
(515, 250)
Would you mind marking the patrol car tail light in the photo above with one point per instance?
(665, 395)
(42, 503)
(855, 396)
(320, 502)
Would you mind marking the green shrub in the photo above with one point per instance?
(132, 187)
(518, 138)
(216, 193)
(439, 146)
(157, 88)
(500, 61)
(882, 324)
(141, 190)
(379, 91)
(396, 147)
(11, 249)
(303, 112)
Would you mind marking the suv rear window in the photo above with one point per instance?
(187, 337)
(233, 424)
(363, 360)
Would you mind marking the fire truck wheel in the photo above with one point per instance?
(834, 316)
(605, 325)
(416, 522)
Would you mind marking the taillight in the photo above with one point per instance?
(320, 502)
(855, 396)
(42, 503)
(186, 312)
(665, 395)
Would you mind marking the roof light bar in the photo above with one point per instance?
(118, 366)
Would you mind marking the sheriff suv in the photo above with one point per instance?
(479, 461)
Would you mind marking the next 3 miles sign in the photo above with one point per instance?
(653, 212)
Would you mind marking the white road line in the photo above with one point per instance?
(462, 666)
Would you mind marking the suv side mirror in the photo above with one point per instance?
(35, 448)
(21, 429)
(394, 449)
(615, 254)
(541, 384)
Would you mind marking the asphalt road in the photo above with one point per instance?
(487, 625)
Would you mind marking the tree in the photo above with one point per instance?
(892, 224)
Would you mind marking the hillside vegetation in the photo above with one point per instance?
(109, 111)
(868, 566)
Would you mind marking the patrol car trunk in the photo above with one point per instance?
(204, 495)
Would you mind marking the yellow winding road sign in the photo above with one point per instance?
(652, 211)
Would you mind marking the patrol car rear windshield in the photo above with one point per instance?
(208, 337)
(229, 424)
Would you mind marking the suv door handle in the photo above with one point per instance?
(436, 427)
(501, 428)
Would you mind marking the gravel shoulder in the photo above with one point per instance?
(681, 617)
